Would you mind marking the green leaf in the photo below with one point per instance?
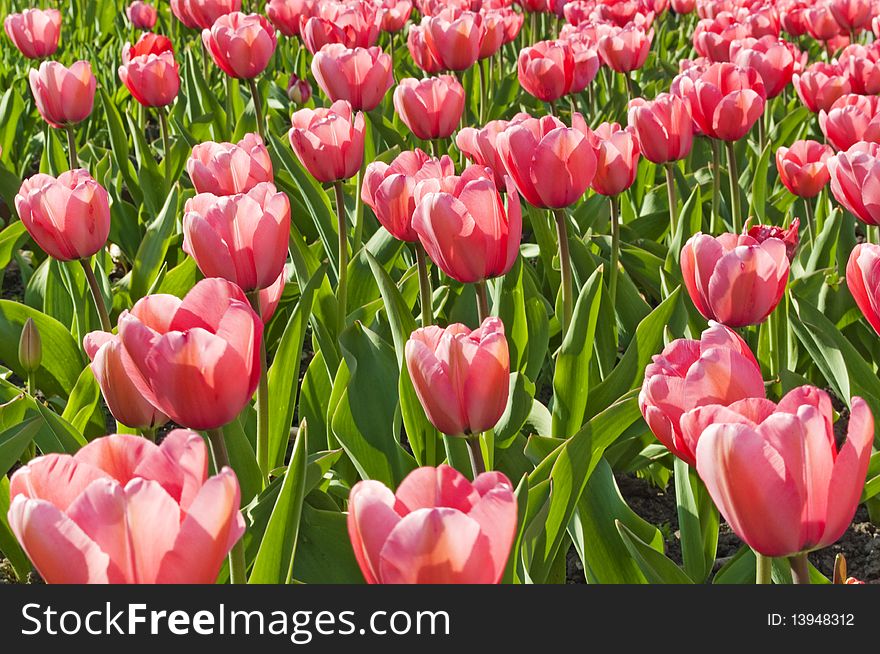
(759, 184)
(154, 247)
(13, 442)
(656, 567)
(84, 400)
(698, 523)
(324, 554)
(119, 145)
(10, 239)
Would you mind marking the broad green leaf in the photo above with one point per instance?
(656, 567)
(13, 442)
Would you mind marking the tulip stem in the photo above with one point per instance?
(475, 450)
(358, 212)
(670, 194)
(716, 185)
(763, 569)
(482, 300)
(810, 220)
(71, 147)
(262, 400)
(482, 100)
(166, 140)
(425, 293)
(615, 250)
(342, 286)
(237, 565)
(565, 268)
(735, 200)
(800, 568)
(149, 433)
(97, 296)
(258, 108)
(629, 87)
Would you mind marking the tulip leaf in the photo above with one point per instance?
(119, 145)
(698, 522)
(399, 314)
(242, 458)
(84, 402)
(324, 554)
(759, 184)
(657, 568)
(14, 440)
(10, 239)
(154, 247)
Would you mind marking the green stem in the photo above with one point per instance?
(475, 450)
(670, 194)
(262, 400)
(358, 212)
(237, 565)
(166, 142)
(482, 74)
(716, 186)
(615, 249)
(149, 434)
(810, 220)
(735, 200)
(775, 353)
(629, 87)
(565, 266)
(258, 108)
(97, 296)
(71, 147)
(425, 293)
(764, 569)
(800, 569)
(482, 300)
(342, 287)
(762, 133)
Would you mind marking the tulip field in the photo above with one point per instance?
(440, 291)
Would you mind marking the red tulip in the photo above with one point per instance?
(430, 107)
(149, 71)
(862, 280)
(298, 90)
(361, 75)
(480, 145)
(388, 189)
(201, 14)
(771, 57)
(240, 44)
(626, 49)
(788, 235)
(852, 118)
(123, 510)
(460, 376)
(552, 165)
(725, 101)
(617, 158)
(454, 37)
(420, 52)
(354, 25)
(230, 168)
(123, 399)
(285, 14)
(802, 167)
(775, 471)
(242, 238)
(862, 65)
(663, 126)
(34, 32)
(198, 359)
(851, 15)
(68, 217)
(717, 369)
(713, 36)
(395, 14)
(329, 142)
(793, 16)
(550, 69)
(64, 96)
(820, 85)
(734, 279)
(438, 528)
(855, 175)
(141, 15)
(684, 6)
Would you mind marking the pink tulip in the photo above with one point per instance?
(551, 69)
(439, 528)
(454, 37)
(123, 399)
(855, 175)
(821, 24)
(793, 16)
(552, 165)
(141, 15)
(852, 15)
(513, 22)
(430, 107)
(494, 33)
(150, 72)
(240, 44)
(285, 14)
(465, 227)
(802, 167)
(862, 65)
(420, 52)
(388, 189)
(270, 297)
(68, 217)
(775, 471)
(820, 85)
(125, 511)
(460, 376)
(617, 158)
(480, 145)
(230, 168)
(713, 36)
(684, 6)
(663, 126)
(298, 90)
(852, 118)
(788, 235)
(771, 57)
(626, 49)
(353, 24)
(198, 359)
(734, 279)
(34, 32)
(395, 14)
(862, 280)
(64, 96)
(717, 369)
(725, 101)
(329, 142)
(361, 76)
(201, 14)
(242, 238)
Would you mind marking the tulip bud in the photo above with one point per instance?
(298, 90)
(30, 347)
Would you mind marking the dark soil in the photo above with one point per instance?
(12, 287)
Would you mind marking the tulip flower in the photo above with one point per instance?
(820, 85)
(270, 297)
(354, 25)
(776, 473)
(821, 24)
(141, 15)
(480, 145)
(285, 14)
(123, 510)
(802, 167)
(329, 142)
(549, 70)
(460, 376)
(230, 168)
(861, 279)
(454, 37)
(34, 32)
(395, 14)
(242, 238)
(793, 16)
(361, 76)
(663, 126)
(771, 57)
(734, 279)
(626, 49)
(64, 96)
(150, 72)
(298, 90)
(439, 528)
(852, 15)
(862, 65)
(713, 36)
(201, 14)
(420, 52)
(788, 235)
(854, 175)
(124, 400)
(198, 359)
(852, 118)
(430, 107)
(717, 369)
(683, 7)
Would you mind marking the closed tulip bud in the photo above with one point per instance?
(771, 57)
(820, 85)
(775, 471)
(460, 376)
(34, 32)
(439, 528)
(852, 118)
(198, 359)
(68, 217)
(230, 168)
(513, 22)
(395, 14)
(298, 90)
(150, 72)
(663, 126)
(123, 510)
(551, 164)
(388, 189)
(361, 76)
(725, 101)
(141, 15)
(788, 235)
(626, 49)
(430, 107)
(64, 96)
(717, 369)
(30, 347)
(285, 14)
(802, 167)
(493, 33)
(480, 146)
(240, 44)
(454, 37)
(617, 158)
(549, 69)
(465, 227)
(854, 178)
(713, 36)
(734, 279)
(861, 279)
(201, 14)
(329, 143)
(420, 52)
